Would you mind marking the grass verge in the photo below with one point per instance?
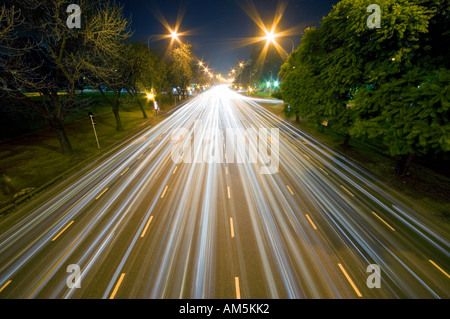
(35, 161)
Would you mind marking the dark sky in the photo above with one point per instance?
(216, 26)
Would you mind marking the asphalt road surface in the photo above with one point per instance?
(222, 200)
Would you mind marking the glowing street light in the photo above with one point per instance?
(270, 36)
(174, 35)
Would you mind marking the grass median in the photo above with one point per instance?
(35, 160)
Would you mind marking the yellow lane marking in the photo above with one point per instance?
(146, 226)
(347, 191)
(164, 192)
(384, 221)
(117, 286)
(314, 226)
(4, 286)
(350, 280)
(323, 170)
(434, 264)
(62, 231)
(141, 156)
(228, 189)
(231, 227)
(226, 170)
(176, 167)
(124, 171)
(290, 190)
(236, 284)
(102, 193)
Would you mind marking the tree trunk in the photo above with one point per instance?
(346, 139)
(115, 110)
(58, 127)
(142, 108)
(134, 94)
(404, 164)
(297, 118)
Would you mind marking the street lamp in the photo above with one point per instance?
(174, 35)
(270, 36)
(293, 45)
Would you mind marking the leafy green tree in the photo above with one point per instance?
(145, 72)
(393, 75)
(181, 67)
(299, 78)
(404, 96)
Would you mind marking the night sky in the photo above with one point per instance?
(215, 27)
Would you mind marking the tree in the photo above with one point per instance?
(110, 68)
(181, 67)
(299, 78)
(145, 71)
(404, 96)
(44, 55)
(383, 71)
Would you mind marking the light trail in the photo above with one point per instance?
(178, 257)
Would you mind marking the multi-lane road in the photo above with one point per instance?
(184, 209)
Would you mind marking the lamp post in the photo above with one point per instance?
(293, 45)
(241, 65)
(91, 116)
